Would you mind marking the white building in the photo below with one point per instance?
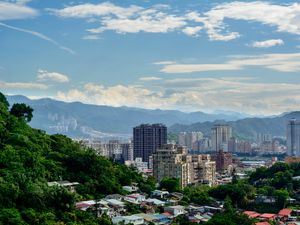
(135, 220)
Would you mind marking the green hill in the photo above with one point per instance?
(29, 158)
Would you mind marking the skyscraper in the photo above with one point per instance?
(190, 139)
(147, 138)
(220, 137)
(293, 137)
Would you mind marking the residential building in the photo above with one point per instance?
(220, 135)
(293, 137)
(147, 138)
(223, 160)
(127, 151)
(190, 139)
(133, 219)
(174, 161)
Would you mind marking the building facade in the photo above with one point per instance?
(220, 135)
(190, 139)
(174, 161)
(293, 137)
(147, 138)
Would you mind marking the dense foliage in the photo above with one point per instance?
(29, 158)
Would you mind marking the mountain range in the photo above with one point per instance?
(84, 120)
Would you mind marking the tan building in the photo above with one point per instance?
(174, 161)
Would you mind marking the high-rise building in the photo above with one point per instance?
(174, 161)
(293, 137)
(223, 160)
(147, 138)
(190, 139)
(220, 135)
(127, 151)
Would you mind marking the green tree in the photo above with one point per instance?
(171, 184)
(22, 110)
(3, 101)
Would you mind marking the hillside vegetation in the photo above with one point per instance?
(29, 158)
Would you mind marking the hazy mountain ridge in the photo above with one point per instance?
(245, 128)
(77, 119)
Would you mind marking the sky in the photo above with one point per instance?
(192, 55)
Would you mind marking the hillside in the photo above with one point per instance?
(29, 158)
(244, 128)
(78, 119)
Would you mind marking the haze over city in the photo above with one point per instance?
(238, 56)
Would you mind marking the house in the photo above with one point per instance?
(284, 214)
(265, 199)
(64, 183)
(175, 210)
(159, 194)
(267, 216)
(155, 218)
(114, 196)
(251, 214)
(133, 219)
(262, 223)
(155, 202)
(135, 198)
(130, 189)
(116, 204)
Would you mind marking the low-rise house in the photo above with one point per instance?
(64, 183)
(267, 216)
(251, 214)
(155, 218)
(135, 198)
(159, 194)
(262, 223)
(175, 210)
(130, 189)
(115, 196)
(155, 201)
(284, 214)
(133, 219)
(265, 199)
(116, 204)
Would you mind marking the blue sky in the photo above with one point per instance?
(187, 55)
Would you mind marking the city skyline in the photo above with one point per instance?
(187, 56)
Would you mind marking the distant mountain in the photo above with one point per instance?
(245, 128)
(80, 120)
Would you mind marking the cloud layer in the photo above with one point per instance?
(44, 75)
(162, 19)
(191, 94)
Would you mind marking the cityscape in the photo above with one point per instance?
(149, 112)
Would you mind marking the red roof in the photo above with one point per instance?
(251, 214)
(167, 214)
(262, 223)
(82, 205)
(267, 215)
(285, 212)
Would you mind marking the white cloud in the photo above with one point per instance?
(95, 10)
(131, 19)
(162, 19)
(192, 31)
(39, 35)
(44, 75)
(192, 94)
(283, 17)
(267, 43)
(283, 62)
(20, 85)
(13, 11)
(164, 62)
(91, 37)
(150, 78)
